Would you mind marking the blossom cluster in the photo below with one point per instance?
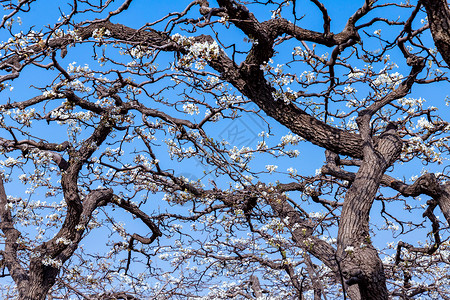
(198, 52)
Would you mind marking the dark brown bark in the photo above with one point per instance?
(355, 259)
(247, 78)
(42, 276)
(444, 201)
(360, 262)
(426, 184)
(302, 232)
(35, 282)
(438, 13)
(18, 273)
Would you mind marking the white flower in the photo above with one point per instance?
(9, 162)
(55, 263)
(292, 171)
(222, 20)
(349, 90)
(271, 168)
(63, 240)
(213, 79)
(190, 108)
(290, 139)
(355, 73)
(53, 217)
(411, 101)
(424, 123)
(139, 52)
(316, 215)
(300, 52)
(349, 249)
(99, 33)
(308, 76)
(49, 94)
(318, 172)
(79, 227)
(261, 145)
(388, 79)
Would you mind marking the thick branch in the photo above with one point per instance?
(438, 13)
(133, 209)
(18, 273)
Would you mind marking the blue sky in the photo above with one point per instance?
(245, 130)
(240, 132)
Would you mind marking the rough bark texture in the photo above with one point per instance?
(354, 261)
(35, 282)
(360, 261)
(302, 233)
(438, 13)
(18, 273)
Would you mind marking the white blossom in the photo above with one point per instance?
(190, 108)
(55, 263)
(349, 249)
(271, 168)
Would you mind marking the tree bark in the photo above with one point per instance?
(438, 14)
(360, 262)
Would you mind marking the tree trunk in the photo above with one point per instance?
(439, 19)
(444, 201)
(360, 263)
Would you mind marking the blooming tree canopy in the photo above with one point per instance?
(224, 149)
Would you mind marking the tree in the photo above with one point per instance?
(141, 128)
